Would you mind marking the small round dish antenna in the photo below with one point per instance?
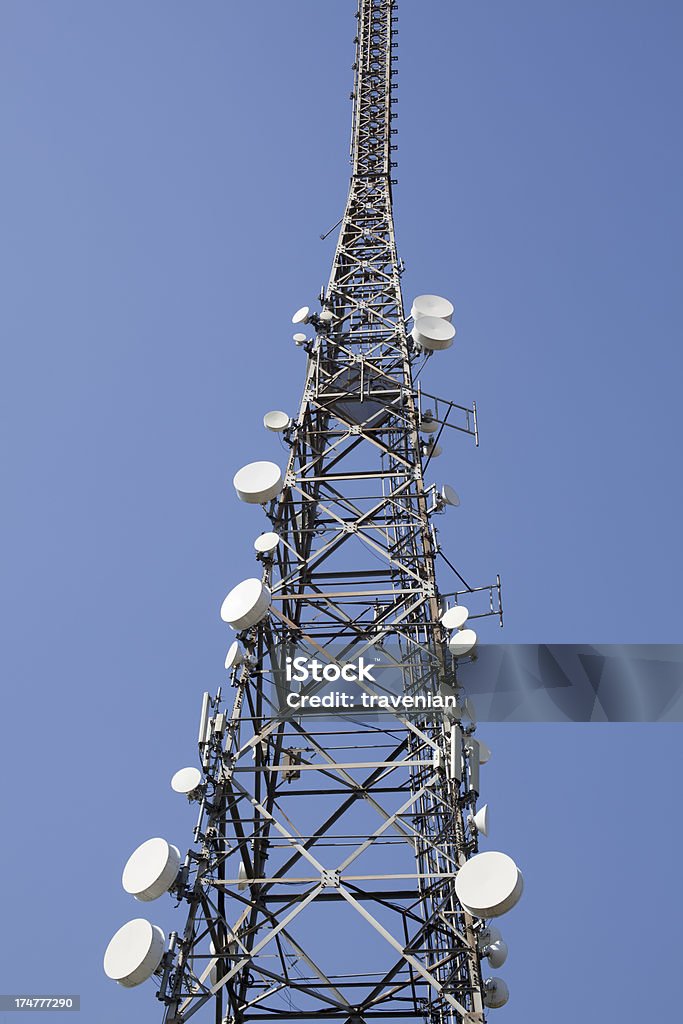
(134, 953)
(299, 339)
(258, 482)
(462, 642)
(266, 543)
(302, 315)
(480, 820)
(496, 993)
(489, 884)
(151, 870)
(428, 425)
(455, 617)
(484, 751)
(186, 780)
(496, 953)
(327, 316)
(487, 936)
(276, 421)
(235, 655)
(432, 305)
(432, 449)
(246, 604)
(433, 334)
(449, 496)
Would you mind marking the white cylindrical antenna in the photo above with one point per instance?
(473, 762)
(204, 719)
(134, 952)
(455, 766)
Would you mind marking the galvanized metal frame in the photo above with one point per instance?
(356, 568)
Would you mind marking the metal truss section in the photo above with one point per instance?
(320, 884)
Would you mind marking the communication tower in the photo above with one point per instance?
(335, 871)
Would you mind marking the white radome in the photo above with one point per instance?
(266, 543)
(496, 993)
(186, 780)
(462, 642)
(489, 884)
(246, 604)
(433, 334)
(258, 482)
(455, 617)
(276, 421)
(301, 316)
(432, 305)
(235, 655)
(449, 496)
(151, 870)
(134, 953)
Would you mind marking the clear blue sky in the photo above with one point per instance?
(167, 168)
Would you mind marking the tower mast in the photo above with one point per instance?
(326, 878)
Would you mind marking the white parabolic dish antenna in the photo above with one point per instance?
(489, 884)
(276, 421)
(432, 333)
(234, 655)
(134, 953)
(301, 316)
(258, 482)
(455, 617)
(298, 338)
(496, 993)
(432, 305)
(266, 543)
(462, 642)
(151, 870)
(449, 496)
(246, 604)
(186, 780)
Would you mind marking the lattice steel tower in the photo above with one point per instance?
(327, 875)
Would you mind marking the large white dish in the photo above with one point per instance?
(134, 952)
(186, 780)
(462, 642)
(489, 884)
(433, 334)
(258, 482)
(246, 604)
(432, 305)
(455, 617)
(151, 870)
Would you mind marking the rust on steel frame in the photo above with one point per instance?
(320, 882)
